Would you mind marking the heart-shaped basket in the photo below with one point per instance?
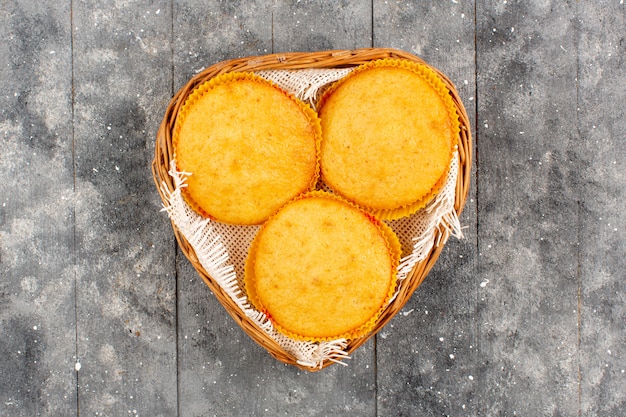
(168, 182)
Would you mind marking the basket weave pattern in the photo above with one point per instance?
(291, 61)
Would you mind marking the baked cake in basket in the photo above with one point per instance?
(249, 146)
(322, 269)
(389, 132)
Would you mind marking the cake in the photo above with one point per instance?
(322, 269)
(389, 130)
(248, 146)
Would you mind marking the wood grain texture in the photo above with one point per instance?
(125, 252)
(600, 151)
(209, 32)
(524, 316)
(304, 26)
(37, 249)
(528, 187)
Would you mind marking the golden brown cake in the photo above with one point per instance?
(249, 146)
(322, 269)
(389, 131)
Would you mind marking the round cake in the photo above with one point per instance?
(249, 146)
(389, 132)
(322, 269)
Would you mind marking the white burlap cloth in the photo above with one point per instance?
(222, 249)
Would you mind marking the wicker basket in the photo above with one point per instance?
(325, 59)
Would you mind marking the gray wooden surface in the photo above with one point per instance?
(101, 315)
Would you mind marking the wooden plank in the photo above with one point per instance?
(222, 371)
(125, 260)
(37, 284)
(318, 26)
(527, 204)
(209, 32)
(427, 355)
(601, 148)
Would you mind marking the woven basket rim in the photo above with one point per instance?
(306, 60)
